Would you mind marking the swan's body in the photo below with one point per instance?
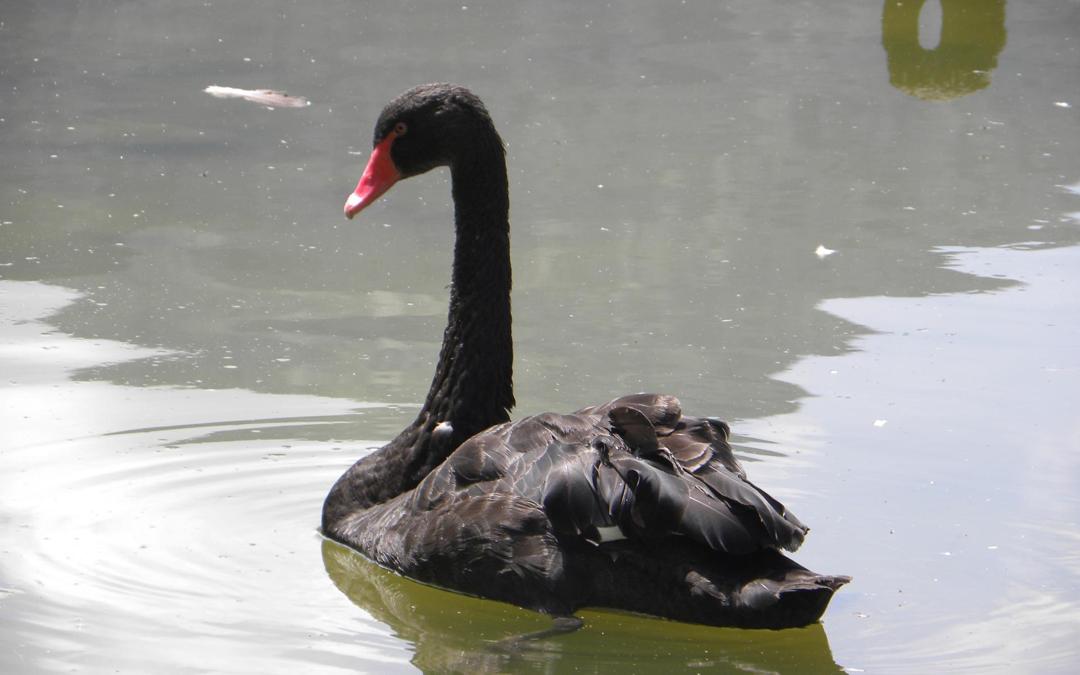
(628, 505)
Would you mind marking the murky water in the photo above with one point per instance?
(194, 343)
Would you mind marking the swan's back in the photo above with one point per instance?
(550, 510)
(631, 468)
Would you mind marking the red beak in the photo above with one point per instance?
(379, 175)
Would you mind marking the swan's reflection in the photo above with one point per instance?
(456, 633)
(972, 36)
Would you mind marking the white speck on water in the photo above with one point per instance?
(1062, 104)
(822, 252)
(880, 423)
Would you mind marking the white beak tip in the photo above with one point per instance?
(352, 205)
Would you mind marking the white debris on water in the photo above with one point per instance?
(267, 97)
(822, 252)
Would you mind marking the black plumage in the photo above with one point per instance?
(628, 504)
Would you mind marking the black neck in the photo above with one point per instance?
(473, 384)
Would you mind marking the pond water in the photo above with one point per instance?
(194, 343)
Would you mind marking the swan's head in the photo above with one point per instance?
(427, 126)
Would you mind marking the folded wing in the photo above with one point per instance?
(643, 468)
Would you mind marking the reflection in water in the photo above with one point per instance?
(457, 633)
(978, 391)
(972, 36)
(137, 522)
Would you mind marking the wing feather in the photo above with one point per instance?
(633, 463)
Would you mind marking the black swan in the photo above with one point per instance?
(628, 505)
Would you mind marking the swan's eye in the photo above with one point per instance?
(400, 129)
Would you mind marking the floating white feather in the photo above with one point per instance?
(267, 97)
